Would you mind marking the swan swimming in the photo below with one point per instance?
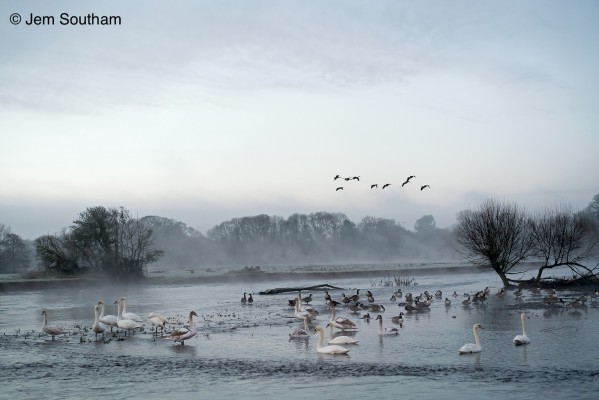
(184, 333)
(340, 322)
(97, 327)
(110, 320)
(521, 339)
(50, 330)
(126, 324)
(339, 339)
(301, 333)
(385, 331)
(330, 349)
(129, 315)
(473, 347)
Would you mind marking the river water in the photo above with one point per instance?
(244, 351)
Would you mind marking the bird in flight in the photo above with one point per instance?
(424, 187)
(336, 177)
(408, 180)
(356, 178)
(374, 186)
(339, 188)
(347, 179)
(386, 184)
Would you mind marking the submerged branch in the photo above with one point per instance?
(325, 286)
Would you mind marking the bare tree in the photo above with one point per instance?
(561, 239)
(496, 234)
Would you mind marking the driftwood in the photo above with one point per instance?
(325, 286)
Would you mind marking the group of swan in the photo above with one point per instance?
(477, 348)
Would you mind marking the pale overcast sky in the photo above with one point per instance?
(203, 111)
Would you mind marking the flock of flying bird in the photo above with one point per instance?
(127, 321)
(375, 185)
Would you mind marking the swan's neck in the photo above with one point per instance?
(45, 321)
(380, 326)
(95, 316)
(306, 324)
(330, 332)
(320, 339)
(523, 326)
(190, 320)
(102, 312)
(118, 311)
(124, 306)
(332, 313)
(476, 338)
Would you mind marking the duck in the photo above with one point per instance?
(339, 339)
(385, 331)
(109, 320)
(48, 329)
(128, 315)
(123, 323)
(340, 322)
(521, 339)
(473, 347)
(97, 327)
(184, 333)
(330, 349)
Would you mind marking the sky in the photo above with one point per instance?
(204, 111)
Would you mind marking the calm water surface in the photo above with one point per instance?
(245, 351)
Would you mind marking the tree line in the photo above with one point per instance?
(499, 235)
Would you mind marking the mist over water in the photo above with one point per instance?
(245, 351)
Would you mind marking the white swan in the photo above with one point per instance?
(339, 339)
(301, 333)
(521, 339)
(126, 324)
(157, 320)
(97, 327)
(385, 331)
(341, 323)
(301, 314)
(330, 349)
(50, 330)
(473, 347)
(184, 333)
(110, 320)
(129, 315)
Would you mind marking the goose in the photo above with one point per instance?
(398, 319)
(594, 295)
(110, 320)
(424, 187)
(157, 320)
(366, 317)
(341, 323)
(291, 303)
(250, 298)
(339, 188)
(50, 330)
(330, 349)
(500, 293)
(521, 339)
(385, 331)
(455, 294)
(126, 324)
(129, 315)
(301, 333)
(339, 339)
(369, 296)
(393, 298)
(377, 307)
(356, 296)
(487, 290)
(386, 185)
(356, 307)
(327, 296)
(336, 177)
(473, 347)
(374, 186)
(307, 299)
(346, 300)
(244, 298)
(518, 293)
(447, 302)
(438, 294)
(184, 333)
(97, 327)
(467, 301)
